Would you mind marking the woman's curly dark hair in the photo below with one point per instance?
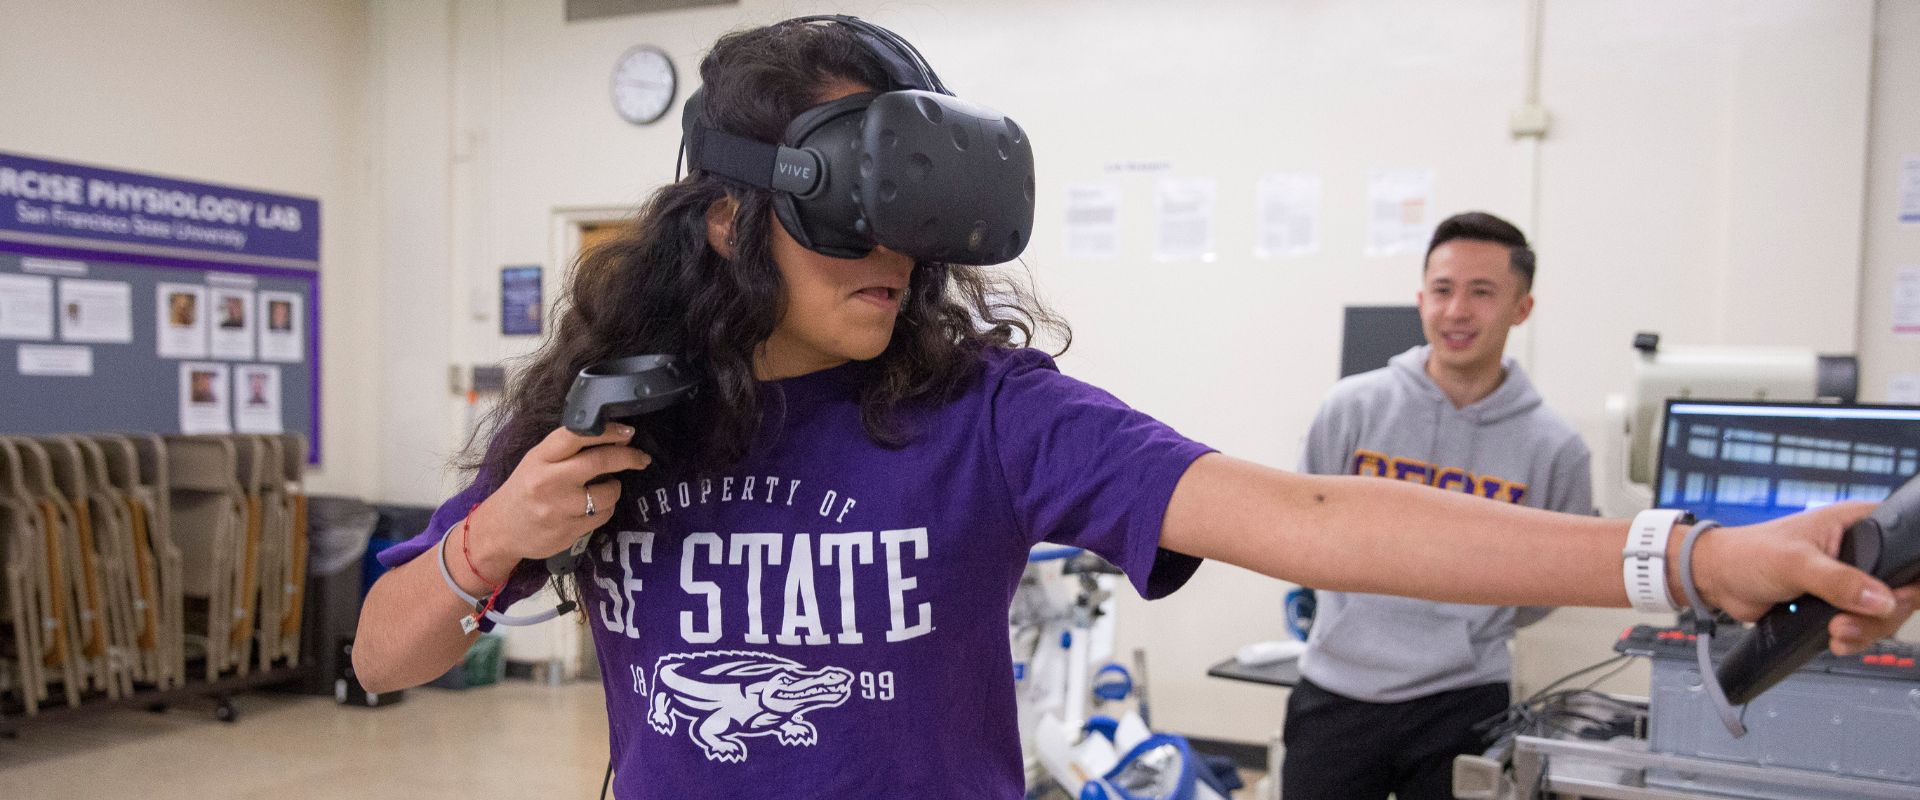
(660, 287)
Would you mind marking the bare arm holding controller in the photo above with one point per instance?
(1368, 535)
(408, 633)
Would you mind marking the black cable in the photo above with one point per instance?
(1545, 709)
(1575, 674)
(607, 781)
(1604, 678)
(1561, 698)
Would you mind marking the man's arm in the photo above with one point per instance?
(1367, 535)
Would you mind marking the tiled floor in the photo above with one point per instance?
(513, 740)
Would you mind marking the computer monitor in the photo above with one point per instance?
(1745, 462)
(1370, 335)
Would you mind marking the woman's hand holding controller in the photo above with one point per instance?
(555, 496)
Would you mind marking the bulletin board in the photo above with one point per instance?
(133, 302)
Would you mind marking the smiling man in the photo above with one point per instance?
(1394, 685)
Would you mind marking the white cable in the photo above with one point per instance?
(440, 557)
(1703, 632)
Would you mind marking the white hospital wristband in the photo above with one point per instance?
(1643, 562)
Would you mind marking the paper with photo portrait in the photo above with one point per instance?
(203, 398)
(26, 307)
(282, 323)
(232, 323)
(96, 311)
(256, 399)
(180, 320)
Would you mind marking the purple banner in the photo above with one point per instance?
(88, 204)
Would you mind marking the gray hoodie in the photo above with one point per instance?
(1396, 423)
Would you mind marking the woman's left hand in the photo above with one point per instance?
(1746, 570)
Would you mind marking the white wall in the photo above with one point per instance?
(265, 96)
(1890, 245)
(413, 149)
(1708, 160)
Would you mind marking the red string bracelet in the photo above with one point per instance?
(466, 526)
(472, 623)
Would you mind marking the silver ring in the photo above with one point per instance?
(590, 509)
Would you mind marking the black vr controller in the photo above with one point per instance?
(621, 388)
(1886, 545)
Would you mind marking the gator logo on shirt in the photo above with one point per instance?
(1453, 479)
(728, 695)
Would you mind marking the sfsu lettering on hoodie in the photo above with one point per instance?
(1453, 479)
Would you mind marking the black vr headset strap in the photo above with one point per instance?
(757, 164)
(902, 60)
(906, 49)
(776, 167)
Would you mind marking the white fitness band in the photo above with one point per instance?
(1643, 562)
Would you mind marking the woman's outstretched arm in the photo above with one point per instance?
(1373, 535)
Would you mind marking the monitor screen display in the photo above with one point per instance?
(1741, 463)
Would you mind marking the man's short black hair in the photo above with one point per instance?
(1484, 227)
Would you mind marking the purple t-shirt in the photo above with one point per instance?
(829, 618)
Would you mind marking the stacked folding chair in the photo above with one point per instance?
(77, 601)
(16, 617)
(266, 490)
(155, 630)
(81, 466)
(209, 522)
(293, 462)
(153, 488)
(123, 554)
(38, 644)
(70, 634)
(105, 552)
(19, 612)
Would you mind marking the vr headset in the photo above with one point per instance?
(918, 170)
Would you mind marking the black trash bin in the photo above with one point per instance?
(397, 524)
(338, 529)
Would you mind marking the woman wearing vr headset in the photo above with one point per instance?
(808, 590)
